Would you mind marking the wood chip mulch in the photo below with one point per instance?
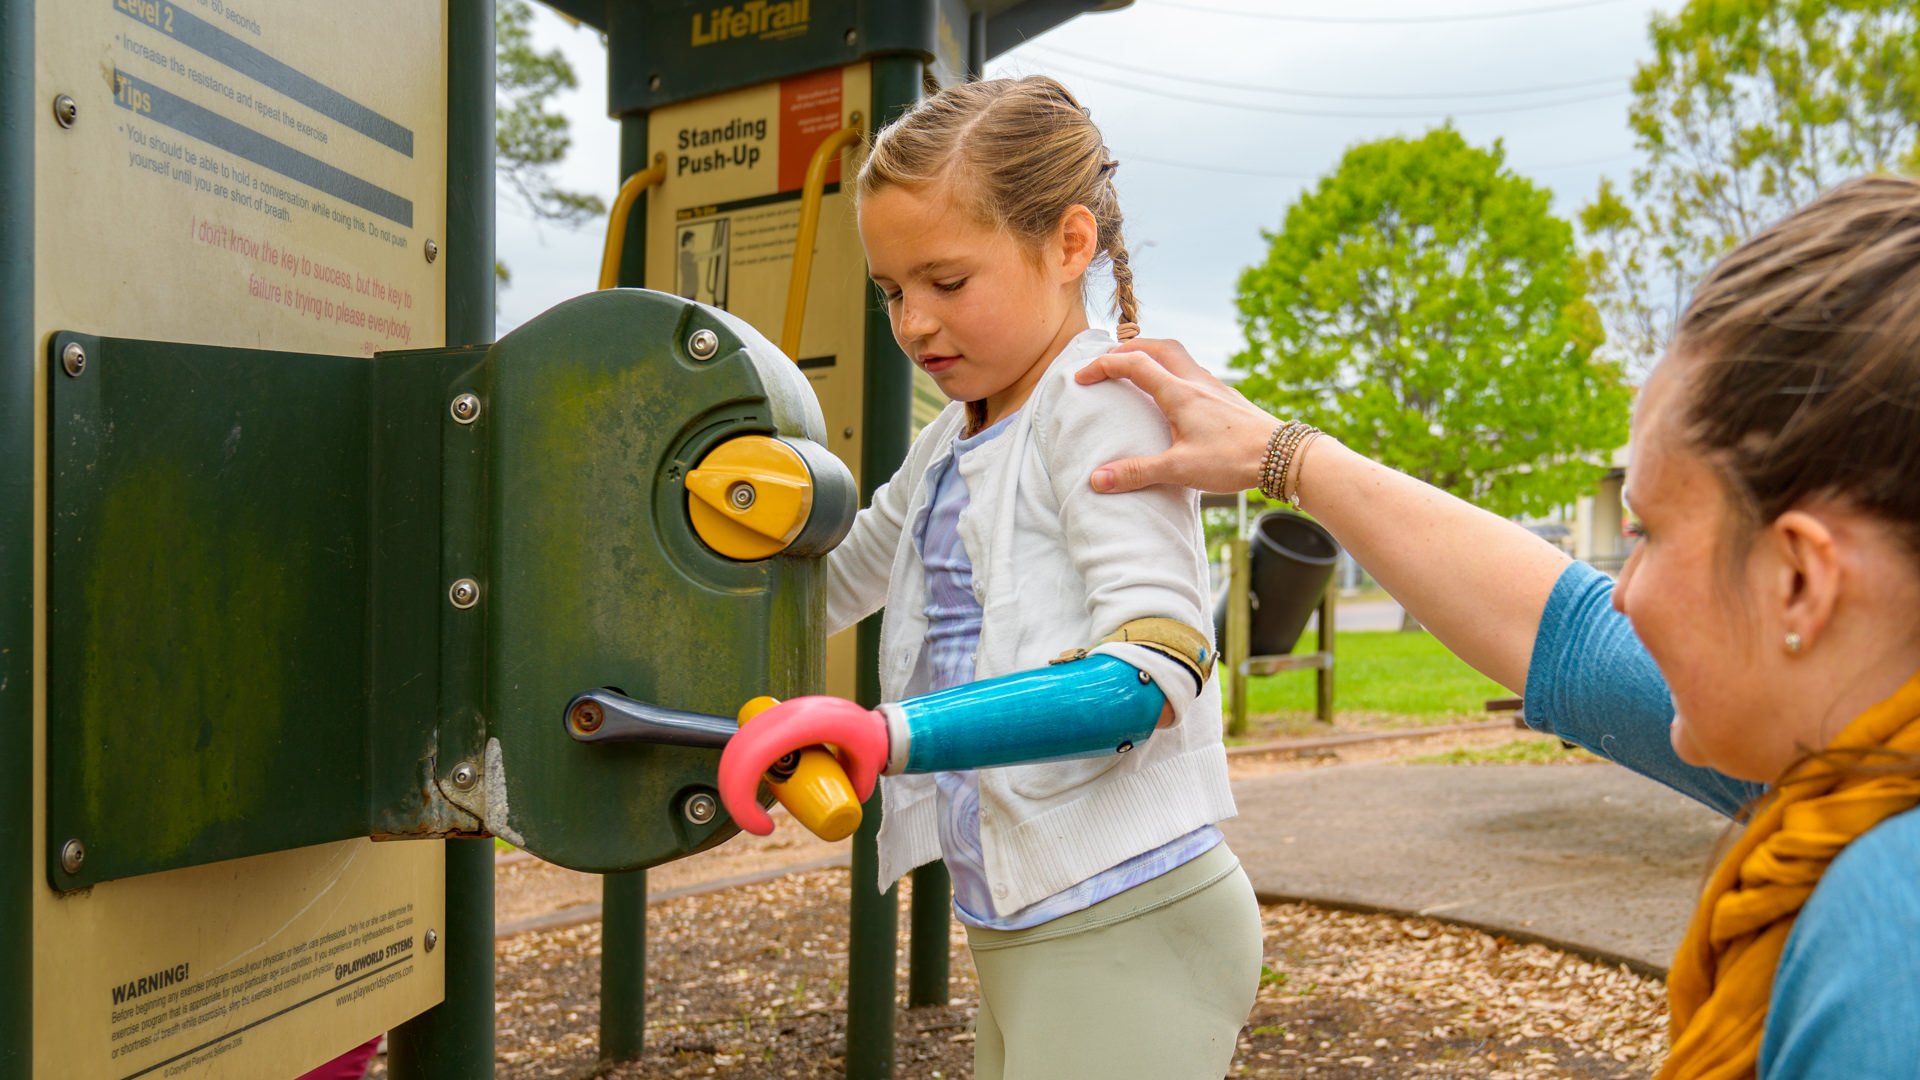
(750, 983)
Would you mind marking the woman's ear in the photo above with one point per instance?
(1079, 239)
(1809, 575)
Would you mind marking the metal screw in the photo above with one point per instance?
(853, 37)
(653, 84)
(466, 408)
(66, 110)
(433, 250)
(587, 717)
(464, 593)
(1145, 678)
(847, 432)
(74, 359)
(741, 495)
(73, 854)
(702, 344)
(433, 938)
(464, 775)
(1123, 747)
(700, 808)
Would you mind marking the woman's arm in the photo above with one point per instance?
(1477, 581)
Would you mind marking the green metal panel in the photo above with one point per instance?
(596, 578)
(19, 361)
(208, 566)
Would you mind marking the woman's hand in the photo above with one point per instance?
(1219, 437)
(860, 734)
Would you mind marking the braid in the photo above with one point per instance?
(1123, 297)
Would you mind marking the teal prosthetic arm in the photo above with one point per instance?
(1082, 708)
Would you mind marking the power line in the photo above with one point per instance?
(1548, 88)
(1124, 159)
(1383, 20)
(1345, 114)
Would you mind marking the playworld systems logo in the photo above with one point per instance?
(763, 19)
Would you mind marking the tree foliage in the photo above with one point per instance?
(1423, 305)
(1748, 109)
(530, 138)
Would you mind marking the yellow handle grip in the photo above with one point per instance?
(811, 785)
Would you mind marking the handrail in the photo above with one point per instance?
(811, 193)
(617, 217)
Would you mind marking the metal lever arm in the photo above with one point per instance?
(602, 716)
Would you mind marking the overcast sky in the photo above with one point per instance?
(1199, 178)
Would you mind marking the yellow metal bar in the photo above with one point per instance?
(811, 192)
(617, 218)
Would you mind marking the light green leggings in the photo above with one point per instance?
(1154, 983)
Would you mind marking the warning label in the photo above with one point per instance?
(198, 1018)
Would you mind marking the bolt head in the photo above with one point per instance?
(587, 717)
(853, 37)
(466, 408)
(73, 359)
(464, 593)
(66, 111)
(700, 808)
(433, 938)
(432, 250)
(73, 855)
(465, 776)
(702, 344)
(653, 84)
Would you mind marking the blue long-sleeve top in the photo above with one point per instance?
(1846, 997)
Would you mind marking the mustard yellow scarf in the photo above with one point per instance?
(1722, 977)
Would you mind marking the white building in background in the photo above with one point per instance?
(1598, 519)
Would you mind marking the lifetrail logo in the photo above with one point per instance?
(765, 19)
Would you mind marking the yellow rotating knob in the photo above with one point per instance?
(810, 784)
(750, 497)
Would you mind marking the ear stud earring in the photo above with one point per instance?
(1793, 641)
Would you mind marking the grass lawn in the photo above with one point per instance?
(1538, 750)
(1381, 679)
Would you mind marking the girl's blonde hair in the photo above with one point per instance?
(1019, 152)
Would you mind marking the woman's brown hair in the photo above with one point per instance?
(1804, 350)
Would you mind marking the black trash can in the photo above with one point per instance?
(1290, 561)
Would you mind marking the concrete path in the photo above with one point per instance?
(1591, 858)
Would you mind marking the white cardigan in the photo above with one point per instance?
(1055, 566)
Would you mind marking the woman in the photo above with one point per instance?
(1775, 479)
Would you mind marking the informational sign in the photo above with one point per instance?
(722, 229)
(242, 172)
(270, 175)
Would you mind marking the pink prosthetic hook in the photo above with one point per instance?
(860, 734)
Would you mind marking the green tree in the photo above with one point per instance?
(1423, 305)
(1748, 109)
(529, 137)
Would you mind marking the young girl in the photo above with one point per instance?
(1113, 932)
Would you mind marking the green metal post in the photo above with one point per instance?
(888, 411)
(623, 965)
(454, 1040)
(623, 897)
(19, 359)
(927, 982)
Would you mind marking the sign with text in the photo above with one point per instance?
(268, 175)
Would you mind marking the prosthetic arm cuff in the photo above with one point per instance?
(1081, 708)
(1169, 637)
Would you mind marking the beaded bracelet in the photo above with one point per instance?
(1290, 483)
(1277, 468)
